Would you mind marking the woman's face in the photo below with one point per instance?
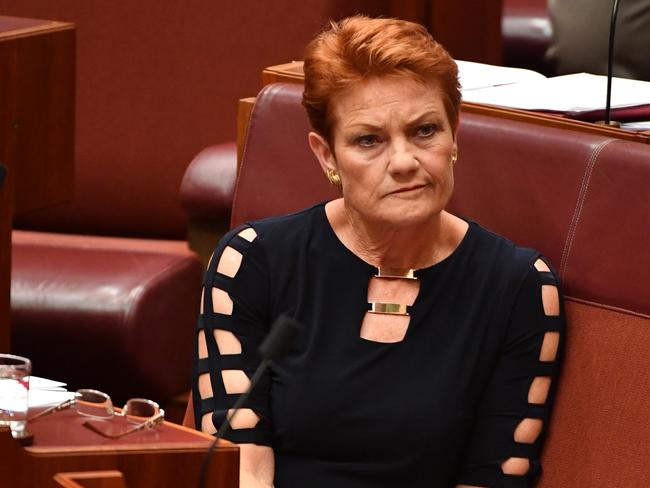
(392, 148)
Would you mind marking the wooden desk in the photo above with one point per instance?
(169, 455)
(37, 86)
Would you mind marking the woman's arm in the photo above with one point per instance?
(513, 413)
(232, 323)
(256, 466)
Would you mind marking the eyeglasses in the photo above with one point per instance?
(96, 404)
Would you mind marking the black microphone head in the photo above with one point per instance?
(278, 341)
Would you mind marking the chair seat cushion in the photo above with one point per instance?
(108, 313)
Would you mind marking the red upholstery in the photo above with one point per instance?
(527, 32)
(567, 197)
(209, 182)
(111, 314)
(583, 201)
(277, 154)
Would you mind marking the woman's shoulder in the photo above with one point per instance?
(289, 226)
(279, 231)
(497, 251)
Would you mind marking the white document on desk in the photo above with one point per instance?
(580, 92)
(473, 76)
(43, 391)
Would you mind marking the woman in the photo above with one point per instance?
(430, 345)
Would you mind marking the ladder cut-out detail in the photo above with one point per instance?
(206, 424)
(229, 262)
(221, 301)
(540, 265)
(203, 346)
(516, 466)
(551, 300)
(528, 430)
(202, 300)
(248, 233)
(538, 391)
(228, 348)
(227, 343)
(551, 342)
(205, 386)
(246, 418)
(235, 381)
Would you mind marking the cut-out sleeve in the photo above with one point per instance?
(513, 413)
(232, 323)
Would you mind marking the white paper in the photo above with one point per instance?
(39, 398)
(43, 391)
(44, 383)
(473, 76)
(580, 92)
(641, 125)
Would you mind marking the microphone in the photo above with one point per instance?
(610, 62)
(274, 346)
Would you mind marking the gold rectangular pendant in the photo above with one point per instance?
(392, 273)
(388, 308)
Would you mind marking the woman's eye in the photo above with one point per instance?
(367, 140)
(426, 130)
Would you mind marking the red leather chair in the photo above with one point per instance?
(582, 200)
(113, 313)
(526, 32)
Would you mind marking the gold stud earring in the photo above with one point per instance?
(333, 177)
(454, 156)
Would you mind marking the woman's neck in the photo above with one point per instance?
(396, 248)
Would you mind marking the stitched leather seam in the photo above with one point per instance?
(577, 213)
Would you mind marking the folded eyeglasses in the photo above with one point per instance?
(98, 405)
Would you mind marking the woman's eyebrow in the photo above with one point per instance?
(362, 126)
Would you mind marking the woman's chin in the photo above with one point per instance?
(409, 215)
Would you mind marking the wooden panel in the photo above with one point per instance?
(37, 74)
(41, 84)
(44, 122)
(5, 259)
(91, 479)
(470, 31)
(168, 455)
(244, 110)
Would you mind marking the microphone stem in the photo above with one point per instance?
(225, 427)
(610, 56)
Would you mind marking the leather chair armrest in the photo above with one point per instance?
(208, 185)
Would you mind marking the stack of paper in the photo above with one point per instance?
(528, 90)
(46, 392)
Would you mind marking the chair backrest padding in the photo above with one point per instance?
(581, 199)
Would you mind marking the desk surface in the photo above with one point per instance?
(64, 431)
(168, 455)
(13, 27)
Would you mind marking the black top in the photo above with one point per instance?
(437, 409)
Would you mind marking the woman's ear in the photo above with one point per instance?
(321, 149)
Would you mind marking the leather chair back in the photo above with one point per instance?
(582, 200)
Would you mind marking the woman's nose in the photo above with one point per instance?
(402, 158)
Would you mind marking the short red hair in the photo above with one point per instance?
(359, 48)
